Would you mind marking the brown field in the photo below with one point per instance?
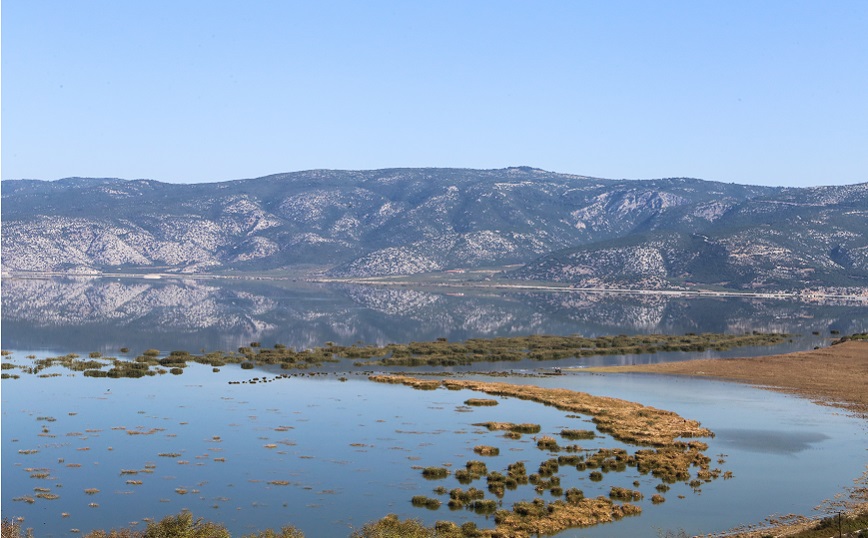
(836, 375)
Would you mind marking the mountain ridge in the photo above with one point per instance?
(568, 228)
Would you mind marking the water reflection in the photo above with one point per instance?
(328, 455)
(104, 314)
(781, 442)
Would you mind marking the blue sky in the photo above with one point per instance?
(756, 92)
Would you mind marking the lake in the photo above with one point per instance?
(332, 451)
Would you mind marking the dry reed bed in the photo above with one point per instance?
(836, 375)
(626, 421)
(540, 518)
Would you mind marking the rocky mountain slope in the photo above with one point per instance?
(576, 229)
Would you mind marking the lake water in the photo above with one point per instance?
(329, 455)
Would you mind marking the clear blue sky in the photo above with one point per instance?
(759, 92)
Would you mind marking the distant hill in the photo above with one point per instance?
(566, 228)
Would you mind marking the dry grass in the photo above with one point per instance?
(540, 518)
(836, 375)
(626, 421)
(666, 457)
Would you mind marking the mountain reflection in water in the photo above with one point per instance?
(103, 314)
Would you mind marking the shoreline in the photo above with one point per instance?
(833, 376)
(805, 295)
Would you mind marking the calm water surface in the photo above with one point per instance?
(328, 456)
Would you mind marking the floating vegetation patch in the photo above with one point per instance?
(435, 473)
(142, 431)
(548, 443)
(426, 502)
(473, 470)
(509, 426)
(624, 494)
(573, 435)
(486, 450)
(480, 402)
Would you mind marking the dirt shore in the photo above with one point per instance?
(836, 375)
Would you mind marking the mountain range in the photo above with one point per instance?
(529, 223)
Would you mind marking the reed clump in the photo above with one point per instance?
(486, 450)
(624, 494)
(435, 473)
(574, 435)
(458, 497)
(547, 443)
(538, 517)
(473, 470)
(426, 502)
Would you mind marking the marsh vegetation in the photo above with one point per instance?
(436, 353)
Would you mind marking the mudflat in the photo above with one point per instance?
(836, 375)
